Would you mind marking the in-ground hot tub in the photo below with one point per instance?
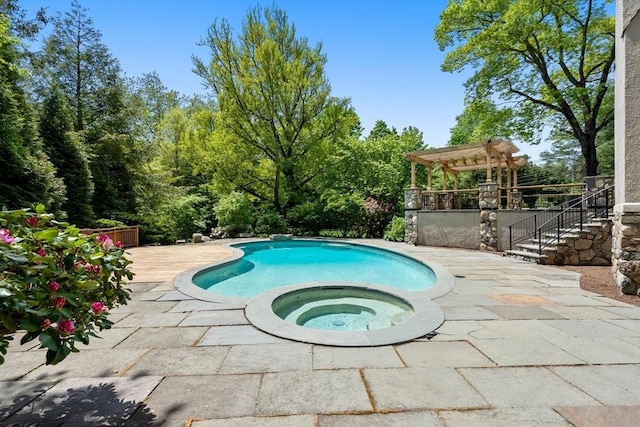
(341, 314)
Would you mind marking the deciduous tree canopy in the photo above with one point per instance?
(551, 58)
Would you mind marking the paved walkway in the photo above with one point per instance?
(522, 345)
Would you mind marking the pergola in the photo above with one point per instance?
(483, 155)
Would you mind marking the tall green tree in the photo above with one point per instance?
(553, 59)
(66, 151)
(481, 120)
(26, 174)
(277, 118)
(75, 60)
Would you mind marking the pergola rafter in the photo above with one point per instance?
(485, 155)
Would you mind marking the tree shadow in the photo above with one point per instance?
(91, 405)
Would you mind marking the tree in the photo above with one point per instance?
(66, 151)
(75, 60)
(552, 59)
(26, 174)
(480, 120)
(277, 118)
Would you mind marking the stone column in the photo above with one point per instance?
(488, 203)
(412, 204)
(626, 219)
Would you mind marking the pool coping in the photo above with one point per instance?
(183, 282)
(426, 318)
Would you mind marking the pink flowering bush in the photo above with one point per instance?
(56, 285)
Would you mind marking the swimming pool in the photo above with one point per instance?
(266, 265)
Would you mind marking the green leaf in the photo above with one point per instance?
(4, 292)
(29, 324)
(49, 342)
(88, 284)
(97, 255)
(40, 209)
(7, 321)
(17, 258)
(49, 233)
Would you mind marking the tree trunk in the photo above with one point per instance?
(590, 160)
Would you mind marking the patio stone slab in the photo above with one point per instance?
(590, 328)
(456, 330)
(519, 299)
(611, 385)
(506, 417)
(598, 350)
(523, 351)
(630, 324)
(163, 337)
(267, 358)
(523, 312)
(353, 358)
(182, 398)
(586, 313)
(627, 311)
(87, 400)
(286, 421)
(15, 346)
(610, 416)
(17, 365)
(235, 335)
(180, 361)
(88, 363)
(515, 328)
(152, 320)
(14, 395)
(215, 318)
(574, 300)
(452, 354)
(147, 295)
(145, 307)
(421, 388)
(109, 338)
(468, 313)
(198, 305)
(290, 393)
(404, 419)
(142, 286)
(454, 300)
(524, 387)
(174, 296)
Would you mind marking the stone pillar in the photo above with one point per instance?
(412, 204)
(488, 203)
(626, 219)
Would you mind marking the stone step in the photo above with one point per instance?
(526, 256)
(534, 248)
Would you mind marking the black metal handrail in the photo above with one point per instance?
(594, 205)
(572, 212)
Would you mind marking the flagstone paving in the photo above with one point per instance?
(521, 345)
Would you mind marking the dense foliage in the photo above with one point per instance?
(270, 149)
(551, 60)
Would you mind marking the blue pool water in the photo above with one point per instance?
(269, 265)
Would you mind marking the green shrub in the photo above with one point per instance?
(307, 218)
(395, 230)
(108, 223)
(234, 213)
(270, 223)
(56, 284)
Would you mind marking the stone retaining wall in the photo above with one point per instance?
(592, 246)
(626, 251)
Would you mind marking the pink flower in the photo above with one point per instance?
(6, 237)
(66, 326)
(54, 286)
(32, 221)
(59, 302)
(95, 269)
(119, 244)
(98, 307)
(41, 252)
(46, 323)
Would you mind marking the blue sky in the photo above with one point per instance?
(380, 53)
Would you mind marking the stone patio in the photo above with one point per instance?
(521, 345)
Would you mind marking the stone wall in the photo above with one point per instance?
(412, 203)
(592, 246)
(488, 202)
(626, 251)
